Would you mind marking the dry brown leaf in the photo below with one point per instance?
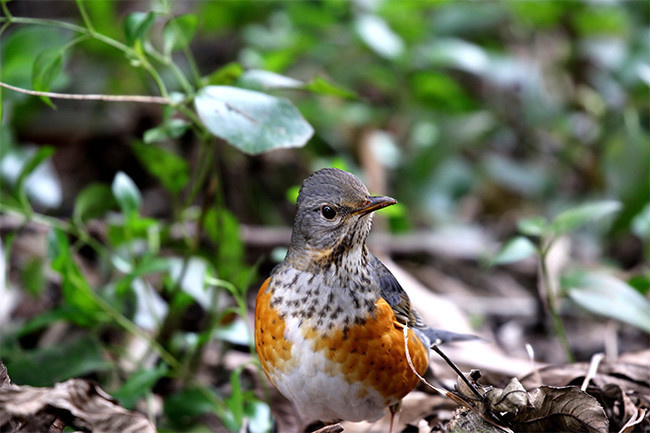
(512, 399)
(562, 409)
(79, 402)
(621, 387)
(545, 408)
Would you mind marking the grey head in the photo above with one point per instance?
(333, 216)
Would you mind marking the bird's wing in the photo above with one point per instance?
(394, 294)
(396, 297)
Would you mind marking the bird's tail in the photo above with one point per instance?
(440, 336)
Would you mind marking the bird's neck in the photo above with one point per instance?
(343, 257)
(320, 288)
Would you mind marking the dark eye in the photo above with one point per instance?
(328, 212)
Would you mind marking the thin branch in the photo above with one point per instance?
(460, 374)
(593, 370)
(107, 98)
(405, 330)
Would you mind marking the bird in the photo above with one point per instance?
(330, 318)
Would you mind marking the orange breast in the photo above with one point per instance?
(273, 350)
(372, 353)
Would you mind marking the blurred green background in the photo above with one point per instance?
(473, 115)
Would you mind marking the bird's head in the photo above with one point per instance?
(333, 214)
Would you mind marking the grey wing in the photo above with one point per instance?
(394, 294)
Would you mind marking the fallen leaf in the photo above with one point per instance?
(88, 406)
(562, 409)
(545, 408)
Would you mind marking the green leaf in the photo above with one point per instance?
(533, 226)
(379, 37)
(236, 402)
(150, 264)
(126, 193)
(252, 121)
(172, 170)
(538, 14)
(46, 68)
(37, 159)
(292, 194)
(576, 217)
(93, 201)
(235, 332)
(223, 229)
(641, 223)
(58, 248)
(138, 385)
(516, 249)
(323, 87)
(192, 402)
(178, 32)
(138, 228)
(641, 283)
(32, 276)
(136, 26)
(171, 129)
(226, 74)
(601, 21)
(608, 296)
(259, 417)
(19, 48)
(258, 79)
(77, 293)
(56, 363)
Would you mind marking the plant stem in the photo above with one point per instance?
(167, 61)
(88, 97)
(551, 301)
(5, 10)
(131, 327)
(98, 36)
(85, 16)
(205, 160)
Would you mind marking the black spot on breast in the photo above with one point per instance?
(336, 312)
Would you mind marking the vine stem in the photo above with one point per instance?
(130, 52)
(92, 97)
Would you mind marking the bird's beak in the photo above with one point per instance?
(374, 203)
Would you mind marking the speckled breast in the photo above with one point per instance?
(349, 368)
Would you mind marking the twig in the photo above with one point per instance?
(593, 369)
(332, 428)
(533, 366)
(90, 97)
(460, 374)
(405, 328)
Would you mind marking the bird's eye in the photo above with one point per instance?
(328, 212)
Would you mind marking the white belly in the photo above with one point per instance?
(320, 391)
